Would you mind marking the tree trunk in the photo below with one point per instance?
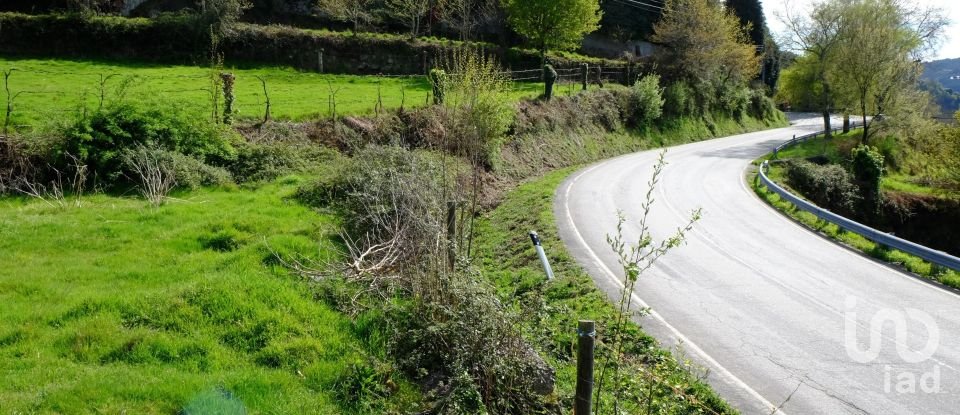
(863, 112)
(826, 123)
(825, 105)
(866, 128)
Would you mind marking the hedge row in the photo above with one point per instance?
(181, 39)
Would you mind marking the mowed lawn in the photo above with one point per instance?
(118, 307)
(50, 88)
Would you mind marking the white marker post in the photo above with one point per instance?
(541, 254)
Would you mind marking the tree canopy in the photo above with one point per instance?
(865, 54)
(750, 13)
(553, 24)
(703, 43)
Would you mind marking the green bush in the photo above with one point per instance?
(646, 101)
(734, 100)
(867, 165)
(267, 161)
(189, 172)
(100, 140)
(679, 100)
(762, 106)
(830, 187)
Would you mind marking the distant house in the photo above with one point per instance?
(603, 46)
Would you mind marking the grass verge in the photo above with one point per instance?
(654, 376)
(115, 307)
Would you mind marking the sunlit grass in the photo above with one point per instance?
(46, 88)
(117, 307)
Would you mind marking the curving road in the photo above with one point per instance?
(775, 313)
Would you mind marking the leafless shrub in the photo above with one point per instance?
(153, 171)
(54, 186)
(453, 334)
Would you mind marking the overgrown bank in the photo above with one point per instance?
(895, 185)
(452, 262)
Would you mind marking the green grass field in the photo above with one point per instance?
(52, 88)
(117, 307)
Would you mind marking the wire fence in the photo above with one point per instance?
(31, 95)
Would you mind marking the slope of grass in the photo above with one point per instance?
(115, 307)
(52, 87)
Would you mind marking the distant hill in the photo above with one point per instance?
(942, 79)
(946, 72)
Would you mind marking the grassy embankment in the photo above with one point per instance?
(509, 261)
(115, 307)
(52, 87)
(833, 150)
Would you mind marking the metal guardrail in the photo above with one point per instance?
(796, 140)
(933, 256)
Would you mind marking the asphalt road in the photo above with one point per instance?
(773, 312)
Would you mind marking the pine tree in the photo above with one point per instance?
(750, 12)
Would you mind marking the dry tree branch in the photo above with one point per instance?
(155, 174)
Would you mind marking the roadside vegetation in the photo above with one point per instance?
(906, 188)
(652, 380)
(898, 173)
(346, 261)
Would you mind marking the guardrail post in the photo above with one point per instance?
(543, 255)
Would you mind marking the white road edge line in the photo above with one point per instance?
(686, 341)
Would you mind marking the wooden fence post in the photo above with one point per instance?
(585, 74)
(586, 335)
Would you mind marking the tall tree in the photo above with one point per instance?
(817, 35)
(410, 13)
(704, 44)
(750, 13)
(882, 43)
(465, 15)
(553, 24)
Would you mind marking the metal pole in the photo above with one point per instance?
(586, 334)
(543, 256)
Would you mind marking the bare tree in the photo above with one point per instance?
(357, 12)
(465, 15)
(410, 13)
